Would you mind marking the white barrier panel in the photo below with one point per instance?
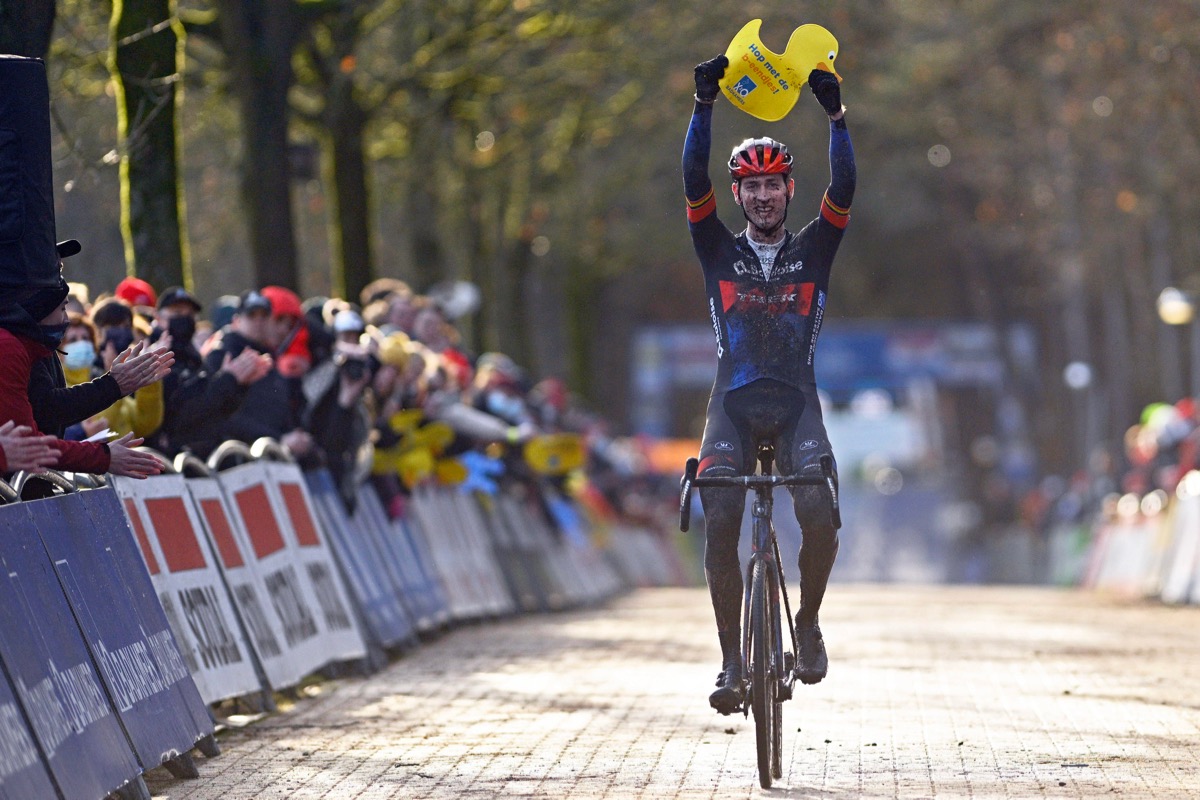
(189, 586)
(1126, 556)
(1181, 574)
(301, 578)
(296, 512)
(1067, 553)
(642, 556)
(423, 595)
(452, 556)
(540, 551)
(283, 666)
(365, 568)
(472, 522)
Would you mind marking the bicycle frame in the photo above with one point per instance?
(769, 676)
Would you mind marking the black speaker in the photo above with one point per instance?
(28, 256)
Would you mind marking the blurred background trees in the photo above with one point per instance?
(1019, 162)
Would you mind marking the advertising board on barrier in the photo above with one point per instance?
(101, 571)
(181, 564)
(23, 773)
(298, 569)
(424, 594)
(377, 591)
(456, 555)
(53, 674)
(283, 666)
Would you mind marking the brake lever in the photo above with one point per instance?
(685, 494)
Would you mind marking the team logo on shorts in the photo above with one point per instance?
(808, 444)
(726, 446)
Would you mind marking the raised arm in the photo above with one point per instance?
(835, 207)
(697, 186)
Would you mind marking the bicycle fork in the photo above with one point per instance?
(765, 548)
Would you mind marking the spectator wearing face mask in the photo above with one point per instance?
(31, 328)
(197, 399)
(140, 413)
(59, 404)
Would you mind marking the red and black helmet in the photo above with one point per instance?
(760, 157)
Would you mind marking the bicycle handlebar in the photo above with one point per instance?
(690, 479)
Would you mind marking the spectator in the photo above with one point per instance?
(57, 405)
(336, 415)
(139, 294)
(30, 330)
(197, 399)
(348, 326)
(272, 406)
(22, 449)
(140, 413)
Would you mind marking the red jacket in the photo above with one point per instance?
(17, 355)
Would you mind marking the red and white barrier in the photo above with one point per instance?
(186, 577)
(271, 504)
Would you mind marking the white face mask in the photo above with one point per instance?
(79, 354)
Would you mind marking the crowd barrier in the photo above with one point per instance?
(1148, 548)
(131, 607)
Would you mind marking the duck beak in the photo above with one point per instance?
(826, 68)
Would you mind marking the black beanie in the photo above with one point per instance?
(43, 301)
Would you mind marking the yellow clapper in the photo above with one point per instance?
(556, 453)
(766, 84)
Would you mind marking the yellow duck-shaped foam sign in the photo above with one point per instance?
(766, 84)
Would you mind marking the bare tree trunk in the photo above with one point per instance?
(258, 37)
(353, 266)
(26, 26)
(145, 60)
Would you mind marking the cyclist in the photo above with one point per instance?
(766, 293)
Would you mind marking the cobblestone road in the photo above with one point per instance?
(932, 692)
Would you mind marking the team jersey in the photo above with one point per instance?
(765, 327)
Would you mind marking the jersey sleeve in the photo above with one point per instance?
(843, 175)
(697, 187)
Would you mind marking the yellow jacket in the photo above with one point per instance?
(140, 413)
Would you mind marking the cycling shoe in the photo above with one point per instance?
(812, 664)
(728, 697)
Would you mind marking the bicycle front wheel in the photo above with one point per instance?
(764, 703)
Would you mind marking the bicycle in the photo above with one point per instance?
(771, 668)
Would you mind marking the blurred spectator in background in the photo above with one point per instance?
(197, 399)
(269, 325)
(139, 294)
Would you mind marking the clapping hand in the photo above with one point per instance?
(23, 449)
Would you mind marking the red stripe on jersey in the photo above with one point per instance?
(835, 215)
(699, 209)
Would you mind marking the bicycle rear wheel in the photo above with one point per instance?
(763, 698)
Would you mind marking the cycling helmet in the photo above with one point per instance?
(763, 156)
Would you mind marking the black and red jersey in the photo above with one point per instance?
(766, 327)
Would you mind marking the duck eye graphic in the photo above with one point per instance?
(832, 55)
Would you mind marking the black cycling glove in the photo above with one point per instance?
(707, 75)
(825, 88)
